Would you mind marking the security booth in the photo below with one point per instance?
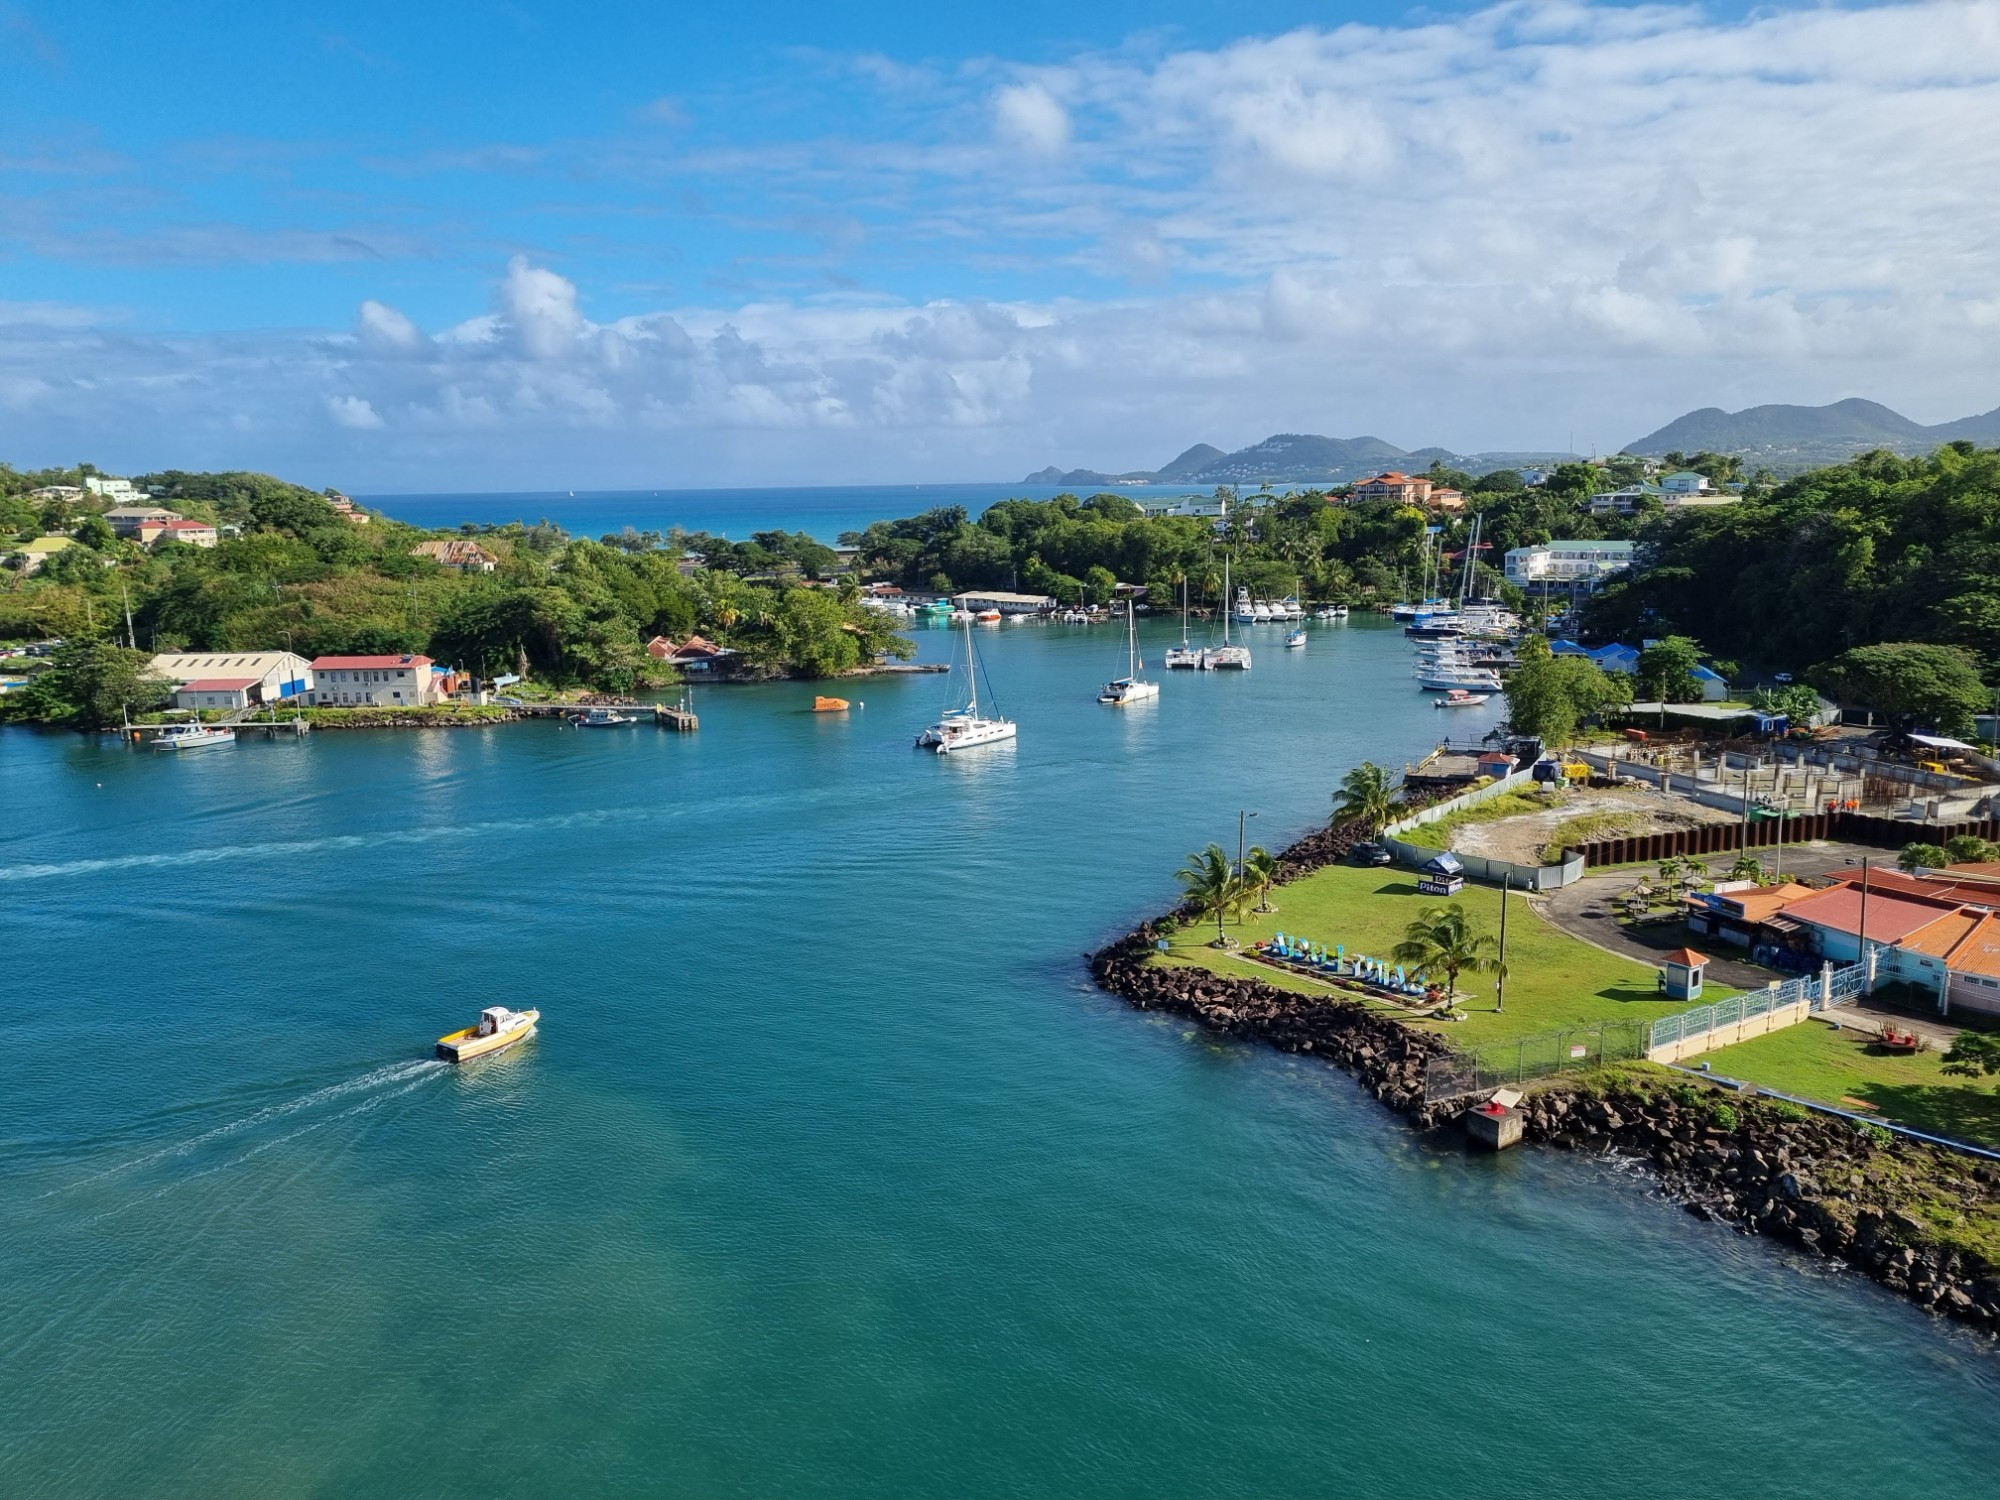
(1442, 876)
(1681, 972)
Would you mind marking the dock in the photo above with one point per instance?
(681, 720)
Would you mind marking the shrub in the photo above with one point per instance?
(1779, 1109)
(1723, 1116)
(1874, 1135)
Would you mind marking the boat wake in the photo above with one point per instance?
(381, 1084)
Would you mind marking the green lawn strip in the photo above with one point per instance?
(1435, 835)
(1841, 1067)
(1554, 980)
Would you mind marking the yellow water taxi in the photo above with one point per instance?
(498, 1029)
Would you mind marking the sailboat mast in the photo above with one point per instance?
(971, 669)
(1131, 639)
(1228, 605)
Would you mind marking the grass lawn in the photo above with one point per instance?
(1553, 980)
(1840, 1068)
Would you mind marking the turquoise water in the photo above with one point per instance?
(821, 511)
(829, 1174)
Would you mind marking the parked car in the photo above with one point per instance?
(1784, 678)
(1371, 853)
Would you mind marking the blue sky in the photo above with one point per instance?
(472, 245)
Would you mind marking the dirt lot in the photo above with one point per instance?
(1520, 839)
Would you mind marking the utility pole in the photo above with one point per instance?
(1500, 979)
(1242, 820)
(1864, 925)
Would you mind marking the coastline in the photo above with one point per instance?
(1766, 1168)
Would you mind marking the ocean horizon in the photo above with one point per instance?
(822, 511)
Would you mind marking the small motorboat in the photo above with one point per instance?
(988, 617)
(1295, 640)
(1460, 698)
(602, 718)
(822, 705)
(193, 736)
(498, 1029)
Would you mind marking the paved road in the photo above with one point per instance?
(1588, 909)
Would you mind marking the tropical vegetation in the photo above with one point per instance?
(292, 571)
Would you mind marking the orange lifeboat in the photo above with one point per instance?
(829, 705)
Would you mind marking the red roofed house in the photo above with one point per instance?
(218, 692)
(383, 681)
(1405, 489)
(1835, 916)
(692, 655)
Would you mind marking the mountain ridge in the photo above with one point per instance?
(1781, 437)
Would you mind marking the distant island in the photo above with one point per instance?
(1785, 439)
(1298, 458)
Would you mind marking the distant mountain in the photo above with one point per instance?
(1292, 458)
(1192, 462)
(1802, 437)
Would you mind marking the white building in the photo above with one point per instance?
(1685, 482)
(383, 681)
(1007, 602)
(1575, 566)
(217, 692)
(119, 490)
(273, 675)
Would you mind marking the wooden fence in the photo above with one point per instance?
(1728, 838)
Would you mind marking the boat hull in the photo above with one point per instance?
(1131, 692)
(463, 1046)
(958, 743)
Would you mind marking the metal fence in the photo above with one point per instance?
(1844, 987)
(1480, 1070)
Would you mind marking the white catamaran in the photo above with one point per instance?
(964, 727)
(1226, 655)
(1131, 688)
(1183, 655)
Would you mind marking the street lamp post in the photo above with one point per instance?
(1242, 822)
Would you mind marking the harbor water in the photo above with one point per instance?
(829, 1173)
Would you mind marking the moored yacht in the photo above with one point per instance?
(964, 727)
(1131, 688)
(1183, 656)
(1227, 657)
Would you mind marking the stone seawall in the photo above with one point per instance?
(1386, 1056)
(1816, 1183)
(1866, 1198)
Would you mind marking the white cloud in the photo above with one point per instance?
(383, 330)
(1479, 231)
(354, 413)
(541, 308)
(1028, 115)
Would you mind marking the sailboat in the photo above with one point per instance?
(1183, 655)
(964, 728)
(1226, 655)
(1131, 688)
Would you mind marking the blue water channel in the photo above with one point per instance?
(829, 1174)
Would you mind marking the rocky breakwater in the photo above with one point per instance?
(1919, 1219)
(1387, 1057)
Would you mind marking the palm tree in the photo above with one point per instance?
(1212, 885)
(1445, 937)
(1365, 794)
(1260, 873)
